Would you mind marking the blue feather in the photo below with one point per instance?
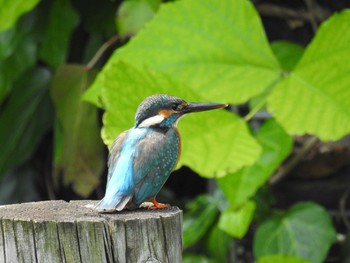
(120, 185)
(140, 162)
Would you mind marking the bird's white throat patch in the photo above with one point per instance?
(151, 121)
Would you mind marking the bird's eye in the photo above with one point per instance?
(174, 107)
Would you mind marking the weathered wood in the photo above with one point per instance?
(58, 231)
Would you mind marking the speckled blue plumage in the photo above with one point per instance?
(140, 162)
(139, 167)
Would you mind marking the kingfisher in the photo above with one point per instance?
(142, 158)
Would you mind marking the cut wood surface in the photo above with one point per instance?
(59, 231)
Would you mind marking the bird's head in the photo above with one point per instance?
(164, 111)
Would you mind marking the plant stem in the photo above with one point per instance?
(258, 107)
(267, 91)
(282, 173)
(342, 208)
(102, 50)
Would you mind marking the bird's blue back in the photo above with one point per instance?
(141, 160)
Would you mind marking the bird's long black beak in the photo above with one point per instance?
(202, 106)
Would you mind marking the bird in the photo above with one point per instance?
(142, 158)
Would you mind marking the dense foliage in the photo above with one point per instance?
(200, 51)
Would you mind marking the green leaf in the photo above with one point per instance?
(304, 231)
(240, 186)
(281, 259)
(18, 51)
(25, 118)
(214, 143)
(236, 221)
(201, 215)
(287, 53)
(218, 244)
(196, 259)
(93, 44)
(315, 97)
(10, 11)
(62, 21)
(93, 94)
(81, 159)
(132, 15)
(220, 50)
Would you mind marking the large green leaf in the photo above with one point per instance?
(18, 51)
(240, 186)
(10, 11)
(304, 231)
(188, 258)
(93, 94)
(78, 147)
(62, 21)
(217, 48)
(235, 221)
(214, 143)
(201, 215)
(218, 244)
(315, 97)
(25, 118)
(132, 15)
(281, 259)
(288, 53)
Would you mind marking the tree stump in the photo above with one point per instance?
(58, 231)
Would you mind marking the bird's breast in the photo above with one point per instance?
(179, 147)
(171, 150)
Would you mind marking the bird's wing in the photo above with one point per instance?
(115, 152)
(153, 162)
(118, 189)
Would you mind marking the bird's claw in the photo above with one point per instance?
(157, 205)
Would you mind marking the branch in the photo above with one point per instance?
(102, 50)
(315, 13)
(283, 172)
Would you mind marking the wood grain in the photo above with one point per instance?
(59, 231)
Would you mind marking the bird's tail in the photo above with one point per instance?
(110, 205)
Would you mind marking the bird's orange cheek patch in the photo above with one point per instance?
(165, 113)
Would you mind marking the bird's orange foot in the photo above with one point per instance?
(157, 205)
